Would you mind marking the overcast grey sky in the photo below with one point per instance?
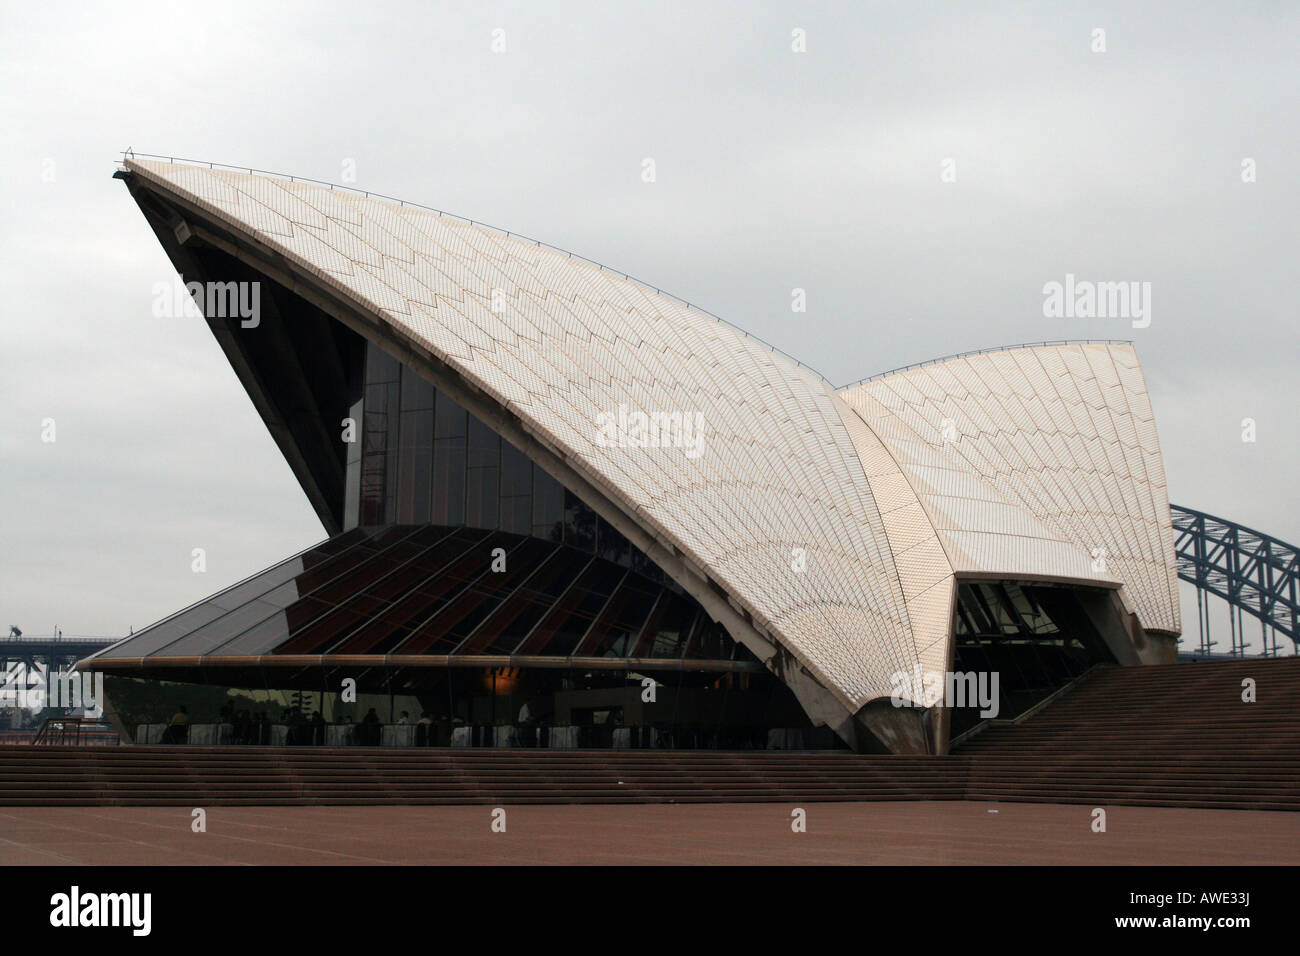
(775, 169)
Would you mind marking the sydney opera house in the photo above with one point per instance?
(573, 510)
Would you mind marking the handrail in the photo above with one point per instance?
(64, 725)
(73, 732)
(999, 348)
(65, 639)
(1028, 711)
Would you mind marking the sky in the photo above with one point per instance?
(921, 171)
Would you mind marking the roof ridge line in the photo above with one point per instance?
(182, 161)
(985, 351)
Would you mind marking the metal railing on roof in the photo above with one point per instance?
(131, 154)
(997, 348)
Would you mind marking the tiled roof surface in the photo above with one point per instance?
(1038, 460)
(1049, 452)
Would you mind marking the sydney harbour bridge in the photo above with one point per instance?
(1254, 573)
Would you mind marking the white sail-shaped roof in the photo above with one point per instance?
(560, 343)
(1039, 461)
(836, 523)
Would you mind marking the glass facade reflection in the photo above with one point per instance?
(439, 590)
(1035, 637)
(424, 458)
(468, 586)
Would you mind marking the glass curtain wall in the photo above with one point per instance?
(425, 459)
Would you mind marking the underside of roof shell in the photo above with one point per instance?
(779, 511)
(1040, 461)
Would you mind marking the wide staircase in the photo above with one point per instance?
(1162, 736)
(230, 776)
(1176, 735)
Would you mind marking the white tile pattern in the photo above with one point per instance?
(1053, 449)
(1051, 454)
(779, 471)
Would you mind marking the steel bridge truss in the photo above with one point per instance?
(1255, 573)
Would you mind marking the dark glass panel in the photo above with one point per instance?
(560, 631)
(579, 524)
(428, 589)
(318, 636)
(380, 366)
(257, 586)
(516, 515)
(352, 476)
(379, 405)
(301, 614)
(450, 419)
(482, 483)
(621, 620)
(405, 618)
(643, 566)
(415, 466)
(284, 596)
(516, 472)
(455, 621)
(264, 616)
(542, 596)
(548, 506)
(261, 638)
(710, 642)
(646, 636)
(358, 568)
(422, 509)
(611, 545)
(372, 489)
(448, 505)
(373, 540)
(668, 637)
(482, 502)
(415, 591)
(484, 445)
(391, 450)
(154, 639)
(516, 490)
(327, 550)
(207, 638)
(417, 393)
(500, 632)
(378, 475)
(157, 638)
(363, 572)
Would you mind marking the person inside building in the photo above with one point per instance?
(370, 729)
(178, 728)
(531, 716)
(424, 730)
